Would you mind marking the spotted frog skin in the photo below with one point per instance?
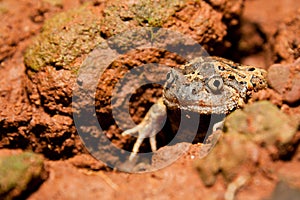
(205, 85)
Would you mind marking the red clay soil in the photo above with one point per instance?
(267, 33)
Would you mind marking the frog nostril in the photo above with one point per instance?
(194, 91)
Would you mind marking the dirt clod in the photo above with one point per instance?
(285, 79)
(20, 172)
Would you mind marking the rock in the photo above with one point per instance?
(278, 76)
(249, 136)
(232, 155)
(20, 173)
(64, 38)
(286, 41)
(168, 154)
(285, 79)
(263, 123)
(284, 191)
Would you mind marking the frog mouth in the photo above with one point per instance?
(202, 101)
(202, 107)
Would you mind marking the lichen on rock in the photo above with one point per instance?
(259, 127)
(20, 172)
(261, 122)
(65, 37)
(121, 16)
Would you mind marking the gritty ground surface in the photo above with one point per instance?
(30, 117)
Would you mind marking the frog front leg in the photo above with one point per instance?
(149, 127)
(218, 125)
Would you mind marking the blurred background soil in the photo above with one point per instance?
(37, 65)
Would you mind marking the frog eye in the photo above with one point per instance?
(168, 76)
(215, 83)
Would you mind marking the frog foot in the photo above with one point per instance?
(148, 128)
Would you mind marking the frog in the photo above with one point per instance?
(205, 85)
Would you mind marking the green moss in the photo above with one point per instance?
(70, 34)
(152, 13)
(155, 13)
(262, 122)
(245, 131)
(65, 37)
(16, 171)
(3, 9)
(226, 159)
